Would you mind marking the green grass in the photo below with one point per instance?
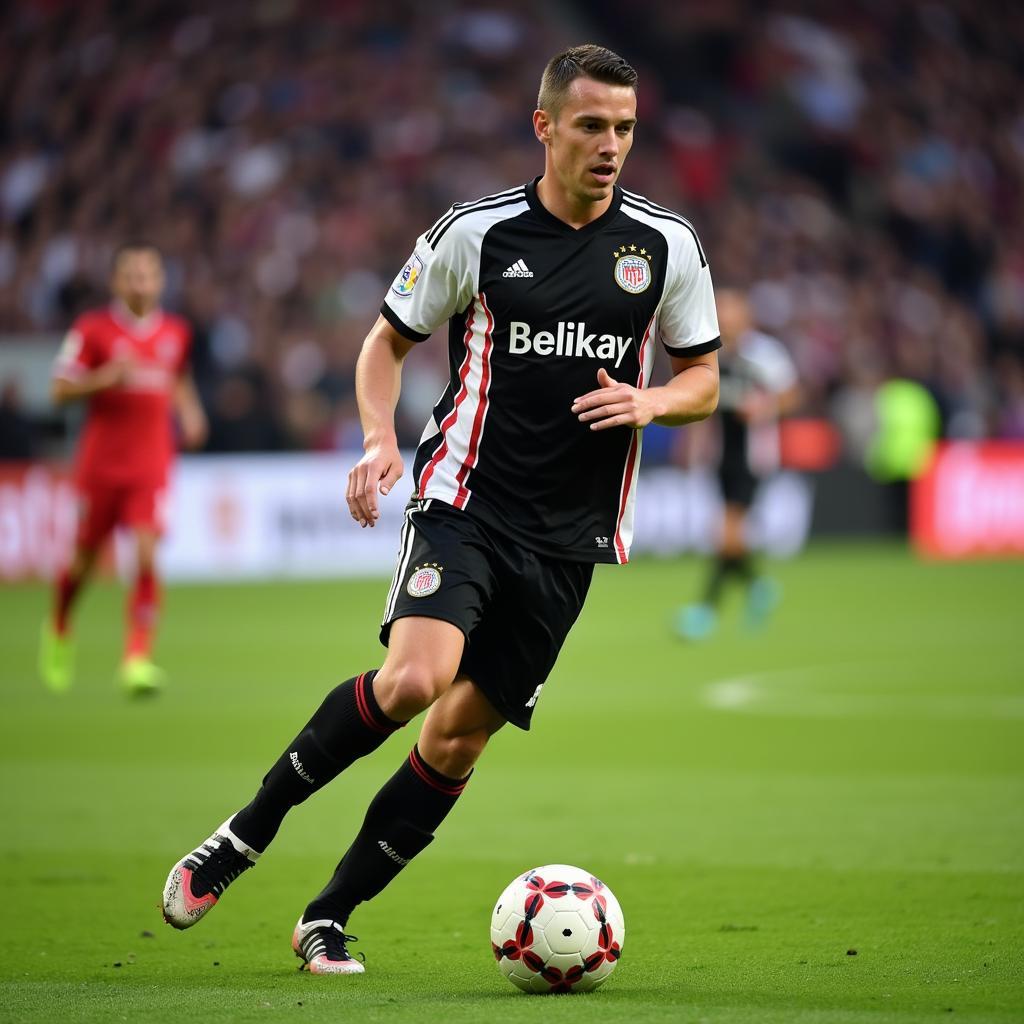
(850, 779)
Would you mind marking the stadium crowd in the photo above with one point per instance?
(858, 168)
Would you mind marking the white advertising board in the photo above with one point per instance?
(265, 516)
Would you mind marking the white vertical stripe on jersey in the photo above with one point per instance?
(404, 554)
(480, 419)
(445, 425)
(627, 492)
(462, 428)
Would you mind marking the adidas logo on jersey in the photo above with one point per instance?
(568, 339)
(518, 269)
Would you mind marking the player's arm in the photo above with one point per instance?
(691, 395)
(778, 390)
(763, 406)
(82, 367)
(189, 410)
(68, 385)
(378, 382)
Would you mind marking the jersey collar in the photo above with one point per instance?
(588, 229)
(140, 326)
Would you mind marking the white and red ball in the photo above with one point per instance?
(557, 929)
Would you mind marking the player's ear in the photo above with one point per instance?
(542, 126)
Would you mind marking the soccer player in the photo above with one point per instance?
(556, 294)
(129, 362)
(758, 385)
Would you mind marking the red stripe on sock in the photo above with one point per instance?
(369, 720)
(420, 767)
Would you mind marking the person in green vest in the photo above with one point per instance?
(909, 423)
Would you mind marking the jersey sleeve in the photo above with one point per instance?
(773, 366)
(433, 285)
(688, 321)
(185, 353)
(79, 351)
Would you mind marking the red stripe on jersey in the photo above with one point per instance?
(449, 421)
(627, 477)
(627, 480)
(640, 382)
(478, 421)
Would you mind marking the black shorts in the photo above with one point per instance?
(738, 483)
(514, 606)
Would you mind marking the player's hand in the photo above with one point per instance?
(112, 374)
(614, 404)
(194, 429)
(758, 407)
(377, 471)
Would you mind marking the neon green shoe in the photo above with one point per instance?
(140, 677)
(56, 659)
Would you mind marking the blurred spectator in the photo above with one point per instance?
(859, 168)
(18, 430)
(241, 418)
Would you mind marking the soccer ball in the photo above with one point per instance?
(557, 929)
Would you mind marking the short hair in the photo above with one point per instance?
(586, 61)
(134, 245)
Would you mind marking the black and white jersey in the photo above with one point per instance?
(757, 362)
(534, 307)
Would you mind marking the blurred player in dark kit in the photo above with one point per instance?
(129, 363)
(758, 386)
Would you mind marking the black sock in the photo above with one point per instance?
(720, 568)
(399, 824)
(724, 566)
(348, 725)
(743, 567)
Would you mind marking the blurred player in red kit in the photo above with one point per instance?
(129, 363)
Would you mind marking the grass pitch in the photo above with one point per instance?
(822, 822)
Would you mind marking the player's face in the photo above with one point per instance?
(590, 138)
(733, 315)
(138, 280)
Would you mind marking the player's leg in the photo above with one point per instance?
(400, 822)
(762, 593)
(738, 484)
(733, 552)
(143, 513)
(139, 675)
(354, 719)
(97, 512)
(508, 668)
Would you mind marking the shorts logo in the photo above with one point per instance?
(632, 271)
(424, 581)
(406, 280)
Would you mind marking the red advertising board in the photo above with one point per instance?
(37, 520)
(970, 502)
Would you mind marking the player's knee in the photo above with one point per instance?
(409, 687)
(453, 755)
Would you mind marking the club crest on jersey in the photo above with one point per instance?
(410, 274)
(632, 269)
(425, 580)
